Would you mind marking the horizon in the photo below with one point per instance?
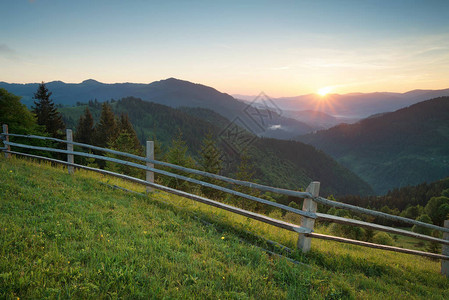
(234, 95)
(293, 48)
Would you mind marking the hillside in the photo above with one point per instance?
(82, 239)
(174, 93)
(286, 164)
(405, 147)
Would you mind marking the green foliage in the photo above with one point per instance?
(211, 162)
(437, 209)
(85, 129)
(293, 204)
(347, 231)
(245, 172)
(46, 112)
(383, 238)
(425, 219)
(177, 155)
(412, 212)
(15, 114)
(106, 131)
(125, 142)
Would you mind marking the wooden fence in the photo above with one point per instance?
(308, 213)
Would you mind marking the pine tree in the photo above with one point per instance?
(85, 130)
(245, 173)
(46, 112)
(125, 126)
(177, 155)
(106, 130)
(211, 162)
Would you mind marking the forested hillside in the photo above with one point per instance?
(287, 164)
(405, 147)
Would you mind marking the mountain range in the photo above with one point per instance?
(260, 116)
(286, 164)
(390, 150)
(353, 106)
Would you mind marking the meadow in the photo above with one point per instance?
(73, 236)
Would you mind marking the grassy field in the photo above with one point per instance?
(67, 236)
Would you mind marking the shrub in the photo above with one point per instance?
(383, 238)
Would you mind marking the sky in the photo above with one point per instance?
(283, 48)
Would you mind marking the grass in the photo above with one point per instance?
(65, 236)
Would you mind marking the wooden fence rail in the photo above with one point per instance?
(308, 213)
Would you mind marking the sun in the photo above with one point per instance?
(324, 91)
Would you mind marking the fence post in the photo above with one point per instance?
(150, 155)
(309, 205)
(445, 251)
(5, 131)
(70, 148)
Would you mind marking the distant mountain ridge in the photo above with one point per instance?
(391, 150)
(171, 92)
(354, 106)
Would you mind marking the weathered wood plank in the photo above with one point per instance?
(374, 213)
(445, 251)
(304, 242)
(69, 135)
(359, 223)
(376, 246)
(150, 155)
(6, 135)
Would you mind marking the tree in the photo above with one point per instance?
(125, 126)
(437, 209)
(106, 130)
(177, 155)
(211, 162)
(15, 114)
(125, 143)
(245, 173)
(85, 130)
(46, 112)
(422, 230)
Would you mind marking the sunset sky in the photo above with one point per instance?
(284, 48)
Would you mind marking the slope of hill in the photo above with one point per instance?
(286, 164)
(171, 92)
(81, 239)
(406, 147)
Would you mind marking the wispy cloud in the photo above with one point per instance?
(7, 52)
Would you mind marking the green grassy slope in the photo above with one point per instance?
(72, 236)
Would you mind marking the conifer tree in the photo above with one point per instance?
(177, 155)
(46, 112)
(211, 162)
(106, 130)
(125, 126)
(245, 172)
(85, 130)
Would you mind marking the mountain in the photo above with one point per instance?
(391, 150)
(261, 116)
(287, 164)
